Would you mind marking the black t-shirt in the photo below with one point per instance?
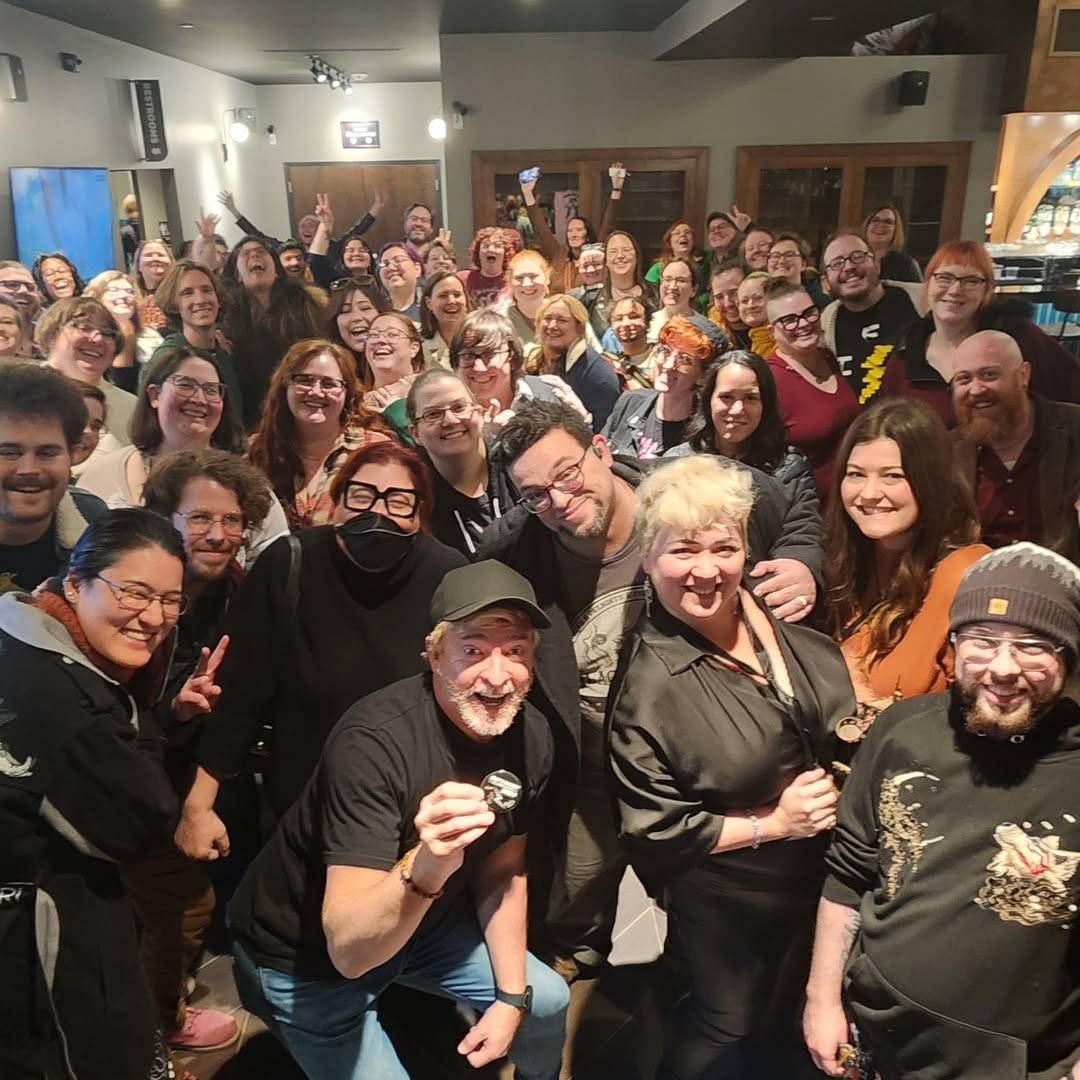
(25, 566)
(388, 752)
(662, 434)
(866, 339)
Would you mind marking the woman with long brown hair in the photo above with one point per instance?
(444, 303)
(883, 229)
(394, 356)
(901, 530)
(312, 419)
(353, 306)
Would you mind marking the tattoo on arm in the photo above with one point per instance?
(851, 932)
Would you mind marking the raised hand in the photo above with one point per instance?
(382, 197)
(619, 178)
(741, 220)
(226, 199)
(200, 691)
(207, 224)
(323, 211)
(444, 237)
(496, 417)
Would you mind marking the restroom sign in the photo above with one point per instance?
(360, 134)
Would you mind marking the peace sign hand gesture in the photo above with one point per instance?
(199, 693)
(323, 211)
(207, 224)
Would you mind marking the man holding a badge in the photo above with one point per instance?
(403, 861)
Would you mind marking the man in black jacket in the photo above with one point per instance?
(957, 850)
(572, 537)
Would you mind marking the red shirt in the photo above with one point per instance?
(484, 291)
(815, 419)
(1008, 501)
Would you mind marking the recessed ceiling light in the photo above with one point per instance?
(359, 76)
(187, 26)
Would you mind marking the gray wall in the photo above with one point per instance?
(583, 90)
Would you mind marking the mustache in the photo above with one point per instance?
(26, 484)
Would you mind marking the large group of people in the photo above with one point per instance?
(397, 608)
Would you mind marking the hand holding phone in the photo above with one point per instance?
(529, 176)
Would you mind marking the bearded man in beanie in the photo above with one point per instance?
(947, 921)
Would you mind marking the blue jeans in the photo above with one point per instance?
(332, 1029)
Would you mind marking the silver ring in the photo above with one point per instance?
(804, 601)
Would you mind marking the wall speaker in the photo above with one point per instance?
(12, 78)
(913, 87)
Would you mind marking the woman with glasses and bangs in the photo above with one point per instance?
(393, 357)
(312, 420)
(816, 402)
(883, 230)
(901, 530)
(399, 269)
(348, 317)
(353, 621)
(959, 296)
(80, 338)
(471, 489)
(183, 405)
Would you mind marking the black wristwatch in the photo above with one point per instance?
(519, 1001)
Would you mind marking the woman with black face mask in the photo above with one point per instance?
(352, 621)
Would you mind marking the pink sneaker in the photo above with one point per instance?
(203, 1029)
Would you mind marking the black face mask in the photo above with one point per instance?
(375, 543)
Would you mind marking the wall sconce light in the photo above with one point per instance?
(437, 128)
(241, 123)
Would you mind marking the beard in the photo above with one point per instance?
(475, 716)
(982, 426)
(982, 718)
(596, 527)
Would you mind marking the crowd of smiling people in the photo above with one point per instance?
(310, 553)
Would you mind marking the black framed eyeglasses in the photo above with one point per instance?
(399, 502)
(856, 258)
(85, 326)
(790, 323)
(138, 598)
(569, 481)
(468, 360)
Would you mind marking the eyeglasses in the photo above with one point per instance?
(570, 481)
(676, 281)
(325, 383)
(1028, 653)
(790, 323)
(187, 387)
(346, 282)
(457, 409)
(18, 286)
(387, 335)
(84, 326)
(55, 272)
(139, 598)
(468, 360)
(784, 256)
(395, 260)
(680, 361)
(856, 258)
(200, 522)
(967, 283)
(399, 502)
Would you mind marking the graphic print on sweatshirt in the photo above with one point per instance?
(1030, 879)
(903, 835)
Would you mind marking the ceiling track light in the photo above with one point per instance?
(325, 73)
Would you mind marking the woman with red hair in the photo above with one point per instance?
(648, 423)
(959, 296)
(678, 242)
(312, 419)
(489, 255)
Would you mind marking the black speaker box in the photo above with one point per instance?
(913, 87)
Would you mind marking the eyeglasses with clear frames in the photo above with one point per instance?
(569, 481)
(680, 361)
(200, 522)
(457, 409)
(326, 383)
(138, 598)
(1028, 653)
(387, 335)
(394, 260)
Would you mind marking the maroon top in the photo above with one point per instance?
(1008, 501)
(815, 419)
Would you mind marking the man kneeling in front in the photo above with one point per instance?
(403, 860)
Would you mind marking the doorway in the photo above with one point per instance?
(157, 203)
(352, 189)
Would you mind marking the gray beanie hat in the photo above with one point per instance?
(1025, 585)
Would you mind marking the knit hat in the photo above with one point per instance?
(1025, 585)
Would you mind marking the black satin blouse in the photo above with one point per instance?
(691, 739)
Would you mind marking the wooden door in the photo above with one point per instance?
(814, 190)
(352, 189)
(665, 183)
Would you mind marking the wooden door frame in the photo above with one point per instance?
(857, 157)
(439, 188)
(694, 160)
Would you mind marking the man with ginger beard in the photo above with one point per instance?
(403, 861)
(1019, 452)
(42, 418)
(957, 849)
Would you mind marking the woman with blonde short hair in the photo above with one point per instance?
(721, 722)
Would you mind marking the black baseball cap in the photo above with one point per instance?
(469, 589)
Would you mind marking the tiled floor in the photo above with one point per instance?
(613, 1031)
